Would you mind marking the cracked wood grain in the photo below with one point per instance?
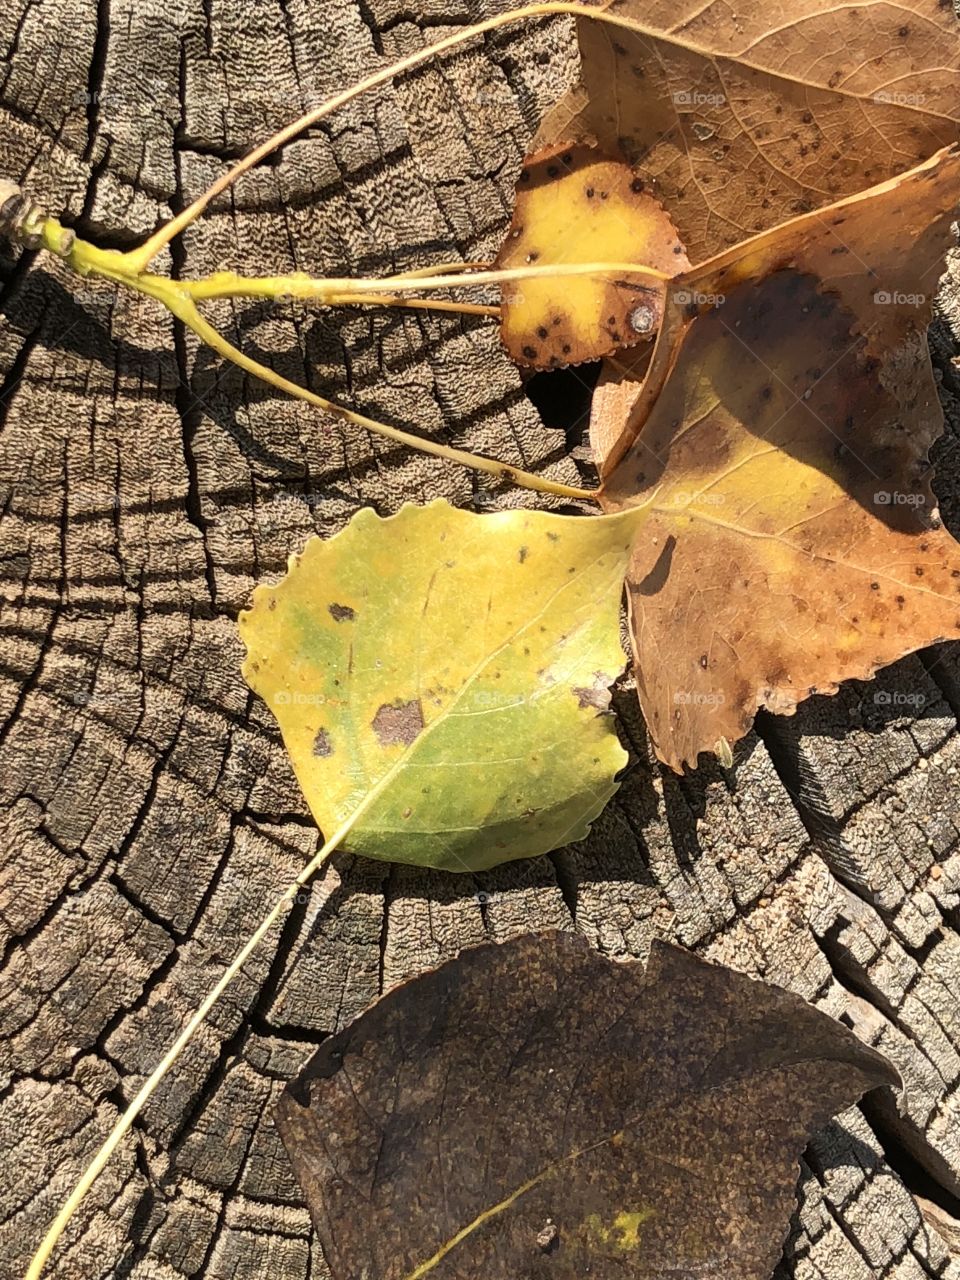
(146, 806)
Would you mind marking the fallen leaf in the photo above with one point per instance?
(534, 1109)
(783, 427)
(441, 679)
(576, 206)
(743, 121)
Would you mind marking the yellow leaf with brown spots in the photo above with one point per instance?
(740, 119)
(441, 679)
(782, 432)
(576, 206)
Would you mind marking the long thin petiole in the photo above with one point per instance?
(180, 296)
(176, 296)
(509, 274)
(185, 310)
(332, 290)
(418, 304)
(123, 1125)
(441, 268)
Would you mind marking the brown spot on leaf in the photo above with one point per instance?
(342, 613)
(322, 746)
(398, 724)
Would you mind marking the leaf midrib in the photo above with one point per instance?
(733, 1081)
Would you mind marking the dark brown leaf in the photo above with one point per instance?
(535, 1110)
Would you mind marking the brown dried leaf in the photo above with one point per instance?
(536, 1110)
(794, 540)
(743, 122)
(576, 206)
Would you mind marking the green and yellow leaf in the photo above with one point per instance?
(441, 679)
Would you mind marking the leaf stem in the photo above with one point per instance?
(417, 304)
(334, 291)
(176, 296)
(436, 269)
(130, 268)
(185, 309)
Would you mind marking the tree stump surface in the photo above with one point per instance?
(148, 810)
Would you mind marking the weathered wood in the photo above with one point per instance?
(148, 811)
